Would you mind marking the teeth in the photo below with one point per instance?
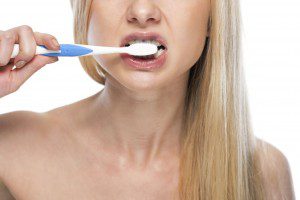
(157, 54)
(146, 41)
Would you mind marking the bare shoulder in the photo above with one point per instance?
(23, 133)
(14, 129)
(16, 126)
(15, 123)
(28, 129)
(275, 171)
(10, 118)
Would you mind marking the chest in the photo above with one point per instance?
(64, 177)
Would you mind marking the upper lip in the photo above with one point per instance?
(144, 36)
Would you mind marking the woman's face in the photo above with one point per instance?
(183, 24)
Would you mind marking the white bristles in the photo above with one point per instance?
(142, 49)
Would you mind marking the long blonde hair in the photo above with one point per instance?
(218, 155)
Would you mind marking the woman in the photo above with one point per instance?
(178, 131)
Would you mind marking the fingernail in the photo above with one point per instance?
(55, 42)
(54, 60)
(20, 64)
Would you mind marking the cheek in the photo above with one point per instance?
(99, 36)
(191, 32)
(104, 20)
(100, 30)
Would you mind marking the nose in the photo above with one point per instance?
(143, 12)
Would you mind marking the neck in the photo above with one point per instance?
(140, 126)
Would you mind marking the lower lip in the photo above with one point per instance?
(149, 64)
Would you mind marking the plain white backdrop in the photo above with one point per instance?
(271, 39)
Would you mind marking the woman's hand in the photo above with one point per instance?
(26, 62)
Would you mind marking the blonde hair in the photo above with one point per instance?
(218, 156)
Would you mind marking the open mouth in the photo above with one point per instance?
(150, 61)
(160, 49)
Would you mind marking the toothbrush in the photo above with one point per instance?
(78, 50)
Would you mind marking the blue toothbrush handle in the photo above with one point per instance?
(70, 50)
(66, 50)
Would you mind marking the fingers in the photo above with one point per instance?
(48, 40)
(20, 75)
(26, 62)
(7, 40)
(27, 40)
(27, 45)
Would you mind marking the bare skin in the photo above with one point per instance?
(121, 143)
(56, 157)
(274, 166)
(47, 160)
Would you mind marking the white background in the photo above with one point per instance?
(271, 34)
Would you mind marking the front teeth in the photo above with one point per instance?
(144, 41)
(157, 54)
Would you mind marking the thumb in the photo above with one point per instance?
(39, 61)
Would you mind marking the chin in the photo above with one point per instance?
(141, 81)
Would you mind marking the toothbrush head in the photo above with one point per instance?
(142, 49)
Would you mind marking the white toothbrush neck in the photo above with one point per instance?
(105, 50)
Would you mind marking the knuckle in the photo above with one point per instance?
(49, 37)
(7, 36)
(26, 28)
